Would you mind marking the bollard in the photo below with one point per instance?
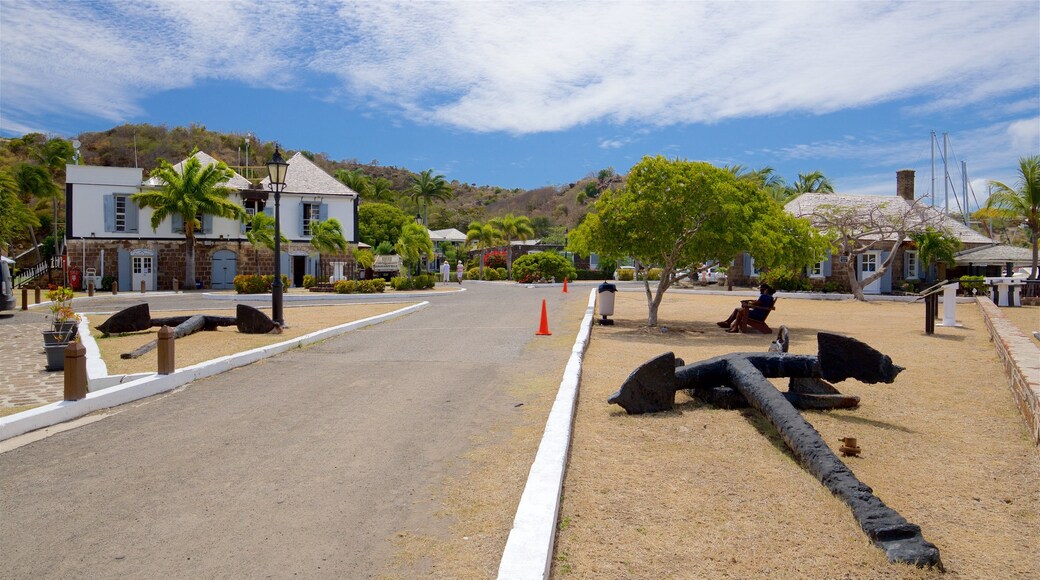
(75, 371)
(142, 286)
(176, 286)
(115, 286)
(37, 296)
(165, 348)
(25, 298)
(90, 288)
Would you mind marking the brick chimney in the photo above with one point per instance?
(905, 184)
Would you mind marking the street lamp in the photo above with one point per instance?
(276, 169)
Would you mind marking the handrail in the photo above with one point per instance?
(32, 273)
(931, 290)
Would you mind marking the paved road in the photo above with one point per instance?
(304, 464)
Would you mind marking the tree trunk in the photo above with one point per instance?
(481, 274)
(1036, 242)
(850, 271)
(189, 261)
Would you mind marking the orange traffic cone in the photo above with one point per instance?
(565, 285)
(544, 330)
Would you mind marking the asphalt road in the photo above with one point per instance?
(304, 464)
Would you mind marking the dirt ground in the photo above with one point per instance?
(202, 346)
(1026, 318)
(700, 492)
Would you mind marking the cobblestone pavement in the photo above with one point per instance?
(23, 380)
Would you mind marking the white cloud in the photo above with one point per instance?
(522, 67)
(611, 143)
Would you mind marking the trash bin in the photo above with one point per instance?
(606, 302)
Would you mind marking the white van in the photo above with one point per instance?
(6, 284)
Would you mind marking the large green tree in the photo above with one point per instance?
(53, 156)
(261, 235)
(483, 236)
(37, 189)
(413, 244)
(380, 222)
(676, 214)
(511, 227)
(194, 192)
(429, 187)
(1022, 202)
(934, 246)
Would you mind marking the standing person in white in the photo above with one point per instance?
(445, 271)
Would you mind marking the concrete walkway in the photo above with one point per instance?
(304, 464)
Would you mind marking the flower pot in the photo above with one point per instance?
(66, 327)
(55, 337)
(55, 356)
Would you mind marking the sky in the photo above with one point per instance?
(528, 94)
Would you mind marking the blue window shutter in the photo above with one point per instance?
(747, 264)
(242, 226)
(284, 259)
(906, 265)
(323, 212)
(302, 207)
(207, 224)
(131, 216)
(827, 264)
(124, 271)
(110, 213)
(178, 223)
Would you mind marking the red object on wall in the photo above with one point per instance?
(75, 279)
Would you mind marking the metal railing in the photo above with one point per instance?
(26, 276)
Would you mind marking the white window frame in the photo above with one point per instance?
(120, 207)
(311, 216)
(755, 271)
(910, 258)
(816, 270)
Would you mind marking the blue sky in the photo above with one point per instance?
(526, 94)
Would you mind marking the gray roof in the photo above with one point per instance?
(236, 181)
(812, 205)
(448, 235)
(303, 176)
(995, 254)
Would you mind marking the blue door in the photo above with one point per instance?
(225, 263)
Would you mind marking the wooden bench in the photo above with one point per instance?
(745, 321)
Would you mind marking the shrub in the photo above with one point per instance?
(309, 281)
(495, 260)
(970, 283)
(787, 279)
(654, 274)
(503, 274)
(420, 282)
(542, 265)
(626, 275)
(473, 273)
(491, 274)
(255, 284)
(106, 283)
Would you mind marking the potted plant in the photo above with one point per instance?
(62, 315)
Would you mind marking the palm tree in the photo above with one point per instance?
(1023, 203)
(14, 213)
(484, 236)
(382, 190)
(413, 244)
(355, 180)
(54, 155)
(765, 178)
(935, 246)
(327, 237)
(261, 235)
(429, 187)
(36, 186)
(509, 228)
(814, 182)
(191, 193)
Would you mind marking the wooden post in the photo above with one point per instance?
(75, 371)
(176, 286)
(115, 287)
(90, 288)
(166, 355)
(25, 298)
(142, 286)
(37, 296)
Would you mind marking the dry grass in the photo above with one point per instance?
(1026, 318)
(203, 346)
(705, 493)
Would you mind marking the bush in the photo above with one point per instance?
(503, 274)
(654, 274)
(491, 274)
(787, 279)
(626, 275)
(106, 283)
(970, 283)
(345, 287)
(309, 281)
(373, 286)
(495, 260)
(420, 282)
(542, 265)
(255, 284)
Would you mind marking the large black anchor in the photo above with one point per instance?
(740, 379)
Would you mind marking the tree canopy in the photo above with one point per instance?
(413, 244)
(261, 235)
(380, 222)
(677, 214)
(483, 236)
(429, 187)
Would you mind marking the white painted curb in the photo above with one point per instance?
(528, 552)
(152, 384)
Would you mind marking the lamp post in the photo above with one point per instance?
(276, 169)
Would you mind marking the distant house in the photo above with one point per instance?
(110, 235)
(905, 265)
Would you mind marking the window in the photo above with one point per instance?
(910, 264)
(251, 209)
(755, 271)
(816, 270)
(311, 216)
(593, 262)
(868, 264)
(120, 213)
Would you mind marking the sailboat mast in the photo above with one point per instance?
(964, 187)
(946, 174)
(933, 168)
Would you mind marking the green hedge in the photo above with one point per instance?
(420, 282)
(255, 284)
(373, 286)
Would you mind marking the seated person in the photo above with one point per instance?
(737, 321)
